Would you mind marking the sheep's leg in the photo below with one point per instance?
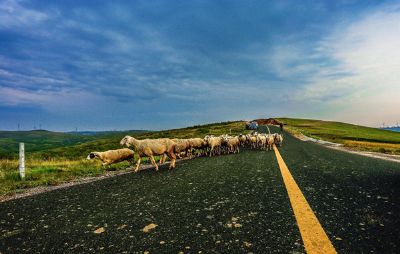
(162, 159)
(153, 162)
(138, 164)
(172, 156)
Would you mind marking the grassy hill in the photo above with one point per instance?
(350, 135)
(52, 145)
(42, 140)
(53, 158)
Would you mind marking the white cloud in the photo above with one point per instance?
(12, 96)
(12, 14)
(368, 51)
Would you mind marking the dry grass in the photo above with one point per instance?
(352, 136)
(48, 172)
(373, 146)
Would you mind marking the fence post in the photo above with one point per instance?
(22, 160)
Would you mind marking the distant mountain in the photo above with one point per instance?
(40, 140)
(91, 133)
(397, 129)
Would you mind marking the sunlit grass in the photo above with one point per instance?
(350, 135)
(52, 172)
(59, 164)
(49, 172)
(373, 146)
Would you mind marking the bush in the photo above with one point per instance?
(382, 150)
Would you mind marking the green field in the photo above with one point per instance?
(42, 140)
(352, 136)
(53, 158)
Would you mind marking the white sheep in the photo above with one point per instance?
(199, 145)
(233, 144)
(182, 146)
(262, 140)
(252, 139)
(151, 147)
(242, 139)
(214, 143)
(278, 139)
(270, 141)
(112, 156)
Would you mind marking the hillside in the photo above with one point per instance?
(350, 135)
(41, 144)
(42, 140)
(80, 150)
(53, 158)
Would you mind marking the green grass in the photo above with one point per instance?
(41, 140)
(54, 158)
(350, 135)
(53, 172)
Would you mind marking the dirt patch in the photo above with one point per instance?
(269, 121)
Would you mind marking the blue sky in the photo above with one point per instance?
(167, 64)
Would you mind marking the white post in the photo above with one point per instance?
(22, 160)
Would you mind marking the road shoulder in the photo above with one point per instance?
(340, 147)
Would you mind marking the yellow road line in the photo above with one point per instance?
(314, 237)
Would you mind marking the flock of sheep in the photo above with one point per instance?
(210, 145)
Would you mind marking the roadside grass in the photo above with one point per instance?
(373, 146)
(350, 135)
(52, 172)
(66, 161)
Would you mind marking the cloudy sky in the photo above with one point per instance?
(165, 64)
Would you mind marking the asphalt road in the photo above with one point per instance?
(225, 204)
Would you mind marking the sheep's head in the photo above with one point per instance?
(225, 137)
(91, 156)
(125, 141)
(207, 137)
